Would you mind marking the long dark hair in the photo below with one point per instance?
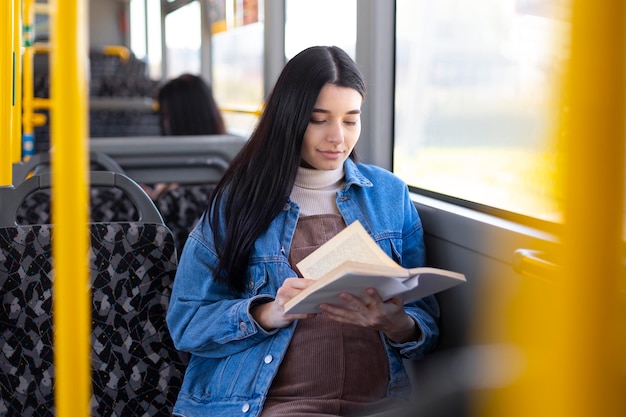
(187, 107)
(258, 182)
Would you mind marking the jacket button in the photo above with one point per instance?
(245, 408)
(268, 359)
(243, 327)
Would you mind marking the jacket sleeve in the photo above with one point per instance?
(425, 312)
(203, 317)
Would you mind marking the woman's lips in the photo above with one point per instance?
(331, 154)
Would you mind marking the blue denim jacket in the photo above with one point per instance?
(234, 360)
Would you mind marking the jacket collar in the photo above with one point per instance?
(354, 176)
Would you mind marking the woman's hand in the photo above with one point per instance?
(370, 311)
(271, 315)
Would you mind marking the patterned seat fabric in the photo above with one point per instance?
(136, 371)
(107, 204)
(181, 207)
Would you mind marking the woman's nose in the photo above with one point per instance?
(335, 133)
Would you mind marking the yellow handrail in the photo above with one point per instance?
(235, 110)
(41, 48)
(72, 298)
(39, 103)
(16, 119)
(121, 51)
(6, 48)
(571, 332)
(589, 350)
(30, 103)
(249, 111)
(28, 115)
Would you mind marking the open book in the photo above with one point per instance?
(352, 262)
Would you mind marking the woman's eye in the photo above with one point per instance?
(350, 122)
(317, 121)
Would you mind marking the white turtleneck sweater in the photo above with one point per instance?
(315, 190)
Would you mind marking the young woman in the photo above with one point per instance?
(294, 185)
(187, 107)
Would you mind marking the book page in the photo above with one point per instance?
(351, 244)
(353, 283)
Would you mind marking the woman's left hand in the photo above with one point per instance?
(372, 312)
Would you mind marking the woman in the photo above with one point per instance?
(293, 186)
(187, 107)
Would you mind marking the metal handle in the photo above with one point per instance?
(533, 262)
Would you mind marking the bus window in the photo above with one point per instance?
(476, 86)
(138, 29)
(320, 22)
(145, 34)
(182, 40)
(237, 60)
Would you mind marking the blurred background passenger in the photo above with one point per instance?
(187, 107)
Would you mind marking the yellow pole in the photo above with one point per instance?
(28, 143)
(591, 350)
(6, 75)
(16, 120)
(72, 298)
(572, 331)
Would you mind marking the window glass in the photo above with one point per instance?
(237, 47)
(155, 56)
(145, 34)
(138, 28)
(320, 22)
(237, 60)
(477, 86)
(183, 39)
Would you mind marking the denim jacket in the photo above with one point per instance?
(233, 359)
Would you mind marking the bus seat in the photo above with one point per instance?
(135, 368)
(40, 162)
(195, 163)
(113, 197)
(198, 159)
(182, 207)
(107, 203)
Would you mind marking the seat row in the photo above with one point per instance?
(180, 207)
(132, 263)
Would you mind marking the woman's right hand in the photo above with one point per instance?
(271, 315)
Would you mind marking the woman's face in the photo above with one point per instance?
(334, 128)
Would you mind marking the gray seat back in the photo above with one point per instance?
(113, 195)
